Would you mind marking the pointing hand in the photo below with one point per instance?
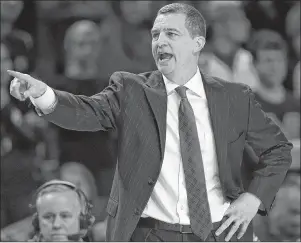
(24, 86)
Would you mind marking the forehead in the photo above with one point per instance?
(58, 201)
(175, 21)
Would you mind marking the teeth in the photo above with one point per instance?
(163, 56)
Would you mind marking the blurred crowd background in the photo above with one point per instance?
(76, 45)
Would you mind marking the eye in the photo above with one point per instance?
(155, 36)
(171, 34)
(48, 216)
(66, 215)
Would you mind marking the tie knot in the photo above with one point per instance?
(181, 90)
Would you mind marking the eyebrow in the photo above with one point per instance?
(165, 29)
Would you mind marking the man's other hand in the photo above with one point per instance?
(24, 86)
(239, 215)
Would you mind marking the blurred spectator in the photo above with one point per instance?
(79, 175)
(293, 33)
(128, 38)
(19, 42)
(225, 58)
(283, 221)
(270, 59)
(80, 75)
(82, 45)
(55, 17)
(267, 14)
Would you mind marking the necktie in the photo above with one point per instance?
(199, 211)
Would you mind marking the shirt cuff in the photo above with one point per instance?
(45, 101)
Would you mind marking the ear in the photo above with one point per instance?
(199, 43)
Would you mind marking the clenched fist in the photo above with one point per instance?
(24, 86)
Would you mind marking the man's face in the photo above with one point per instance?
(59, 215)
(271, 66)
(174, 50)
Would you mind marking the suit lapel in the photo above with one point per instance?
(157, 98)
(218, 105)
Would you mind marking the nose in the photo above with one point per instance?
(57, 222)
(162, 40)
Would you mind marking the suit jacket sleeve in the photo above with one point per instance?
(273, 151)
(82, 113)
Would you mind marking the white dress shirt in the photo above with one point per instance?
(168, 201)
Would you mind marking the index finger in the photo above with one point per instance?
(19, 75)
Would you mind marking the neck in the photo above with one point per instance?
(183, 76)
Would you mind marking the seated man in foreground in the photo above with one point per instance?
(62, 213)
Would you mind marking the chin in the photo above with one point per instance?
(59, 238)
(164, 69)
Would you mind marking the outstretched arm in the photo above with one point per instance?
(75, 112)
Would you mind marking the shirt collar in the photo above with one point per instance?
(195, 85)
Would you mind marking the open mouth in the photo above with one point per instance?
(164, 56)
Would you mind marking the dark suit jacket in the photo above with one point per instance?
(136, 105)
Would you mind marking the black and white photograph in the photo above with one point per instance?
(141, 121)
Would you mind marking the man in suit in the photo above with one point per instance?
(181, 140)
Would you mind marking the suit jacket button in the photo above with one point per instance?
(137, 211)
(151, 181)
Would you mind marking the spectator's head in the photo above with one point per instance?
(284, 218)
(6, 63)
(136, 12)
(10, 10)
(229, 22)
(79, 175)
(82, 42)
(269, 52)
(62, 212)
(293, 27)
(178, 36)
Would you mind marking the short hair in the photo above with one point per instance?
(266, 39)
(60, 188)
(195, 22)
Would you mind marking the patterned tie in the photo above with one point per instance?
(199, 212)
